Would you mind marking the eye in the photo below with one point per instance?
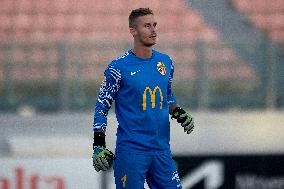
(147, 25)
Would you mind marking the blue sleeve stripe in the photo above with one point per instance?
(115, 73)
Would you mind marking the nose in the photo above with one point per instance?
(153, 29)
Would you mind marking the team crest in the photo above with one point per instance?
(161, 68)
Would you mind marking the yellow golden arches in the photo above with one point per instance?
(161, 96)
(152, 97)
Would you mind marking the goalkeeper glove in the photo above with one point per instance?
(102, 157)
(184, 118)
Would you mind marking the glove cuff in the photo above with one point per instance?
(177, 112)
(99, 139)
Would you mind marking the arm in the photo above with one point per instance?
(170, 97)
(102, 157)
(108, 91)
(176, 111)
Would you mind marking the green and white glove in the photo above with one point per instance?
(184, 119)
(102, 157)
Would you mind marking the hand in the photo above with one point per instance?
(102, 158)
(184, 118)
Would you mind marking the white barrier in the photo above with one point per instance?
(50, 146)
(214, 133)
(53, 151)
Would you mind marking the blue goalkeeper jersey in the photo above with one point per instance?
(142, 92)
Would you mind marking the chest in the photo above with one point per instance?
(147, 74)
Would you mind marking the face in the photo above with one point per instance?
(144, 31)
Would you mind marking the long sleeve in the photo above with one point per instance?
(108, 91)
(170, 97)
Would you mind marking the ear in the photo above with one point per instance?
(133, 31)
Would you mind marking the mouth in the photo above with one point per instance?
(153, 36)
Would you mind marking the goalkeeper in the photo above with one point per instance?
(140, 83)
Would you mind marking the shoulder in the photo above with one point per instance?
(163, 56)
(118, 62)
(122, 58)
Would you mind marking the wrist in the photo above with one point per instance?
(99, 139)
(177, 112)
(172, 108)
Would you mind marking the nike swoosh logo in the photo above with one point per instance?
(132, 73)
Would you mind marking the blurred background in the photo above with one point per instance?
(229, 73)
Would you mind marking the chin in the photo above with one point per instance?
(150, 44)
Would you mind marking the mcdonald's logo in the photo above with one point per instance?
(152, 97)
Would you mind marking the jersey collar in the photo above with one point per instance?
(141, 59)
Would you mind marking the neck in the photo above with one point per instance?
(142, 51)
